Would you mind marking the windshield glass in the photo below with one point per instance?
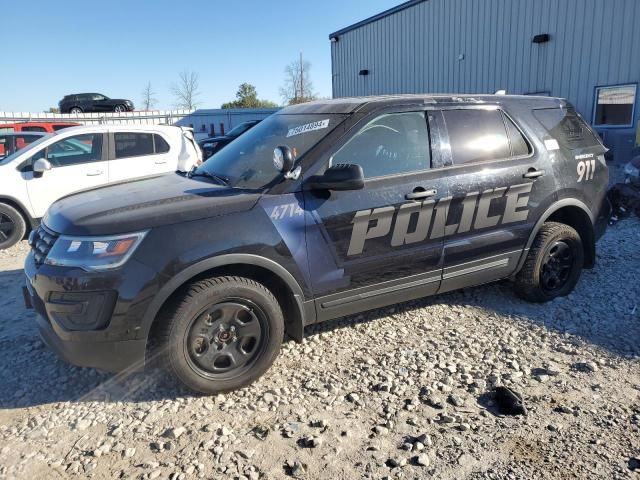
(28, 148)
(247, 162)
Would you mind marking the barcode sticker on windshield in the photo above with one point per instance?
(309, 127)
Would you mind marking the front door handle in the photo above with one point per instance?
(533, 173)
(95, 173)
(420, 193)
(160, 162)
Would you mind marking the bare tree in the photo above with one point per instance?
(187, 90)
(148, 97)
(297, 87)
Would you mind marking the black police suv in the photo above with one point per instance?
(93, 102)
(211, 145)
(322, 210)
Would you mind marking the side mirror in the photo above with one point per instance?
(338, 177)
(283, 159)
(41, 165)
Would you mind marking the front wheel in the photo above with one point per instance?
(12, 226)
(221, 334)
(553, 266)
(119, 109)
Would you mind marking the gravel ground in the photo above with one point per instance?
(395, 393)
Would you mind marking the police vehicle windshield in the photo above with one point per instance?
(247, 162)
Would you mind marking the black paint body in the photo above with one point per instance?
(299, 240)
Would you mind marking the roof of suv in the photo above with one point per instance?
(103, 127)
(364, 104)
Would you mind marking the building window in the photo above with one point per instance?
(614, 106)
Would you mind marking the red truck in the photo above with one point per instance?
(45, 127)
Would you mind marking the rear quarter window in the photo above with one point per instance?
(568, 128)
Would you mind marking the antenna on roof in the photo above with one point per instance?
(501, 92)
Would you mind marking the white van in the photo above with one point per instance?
(78, 158)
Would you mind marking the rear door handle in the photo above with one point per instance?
(420, 193)
(95, 173)
(160, 162)
(532, 173)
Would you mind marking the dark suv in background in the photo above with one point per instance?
(211, 145)
(93, 102)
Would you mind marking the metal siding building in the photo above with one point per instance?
(481, 46)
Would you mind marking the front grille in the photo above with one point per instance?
(41, 241)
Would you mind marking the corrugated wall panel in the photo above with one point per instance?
(593, 43)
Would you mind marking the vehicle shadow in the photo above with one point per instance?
(615, 334)
(32, 375)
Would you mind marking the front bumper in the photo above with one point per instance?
(110, 356)
(92, 319)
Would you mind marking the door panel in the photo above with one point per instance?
(77, 163)
(133, 156)
(377, 246)
(493, 206)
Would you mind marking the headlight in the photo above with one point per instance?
(94, 253)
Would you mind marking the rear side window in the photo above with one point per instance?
(476, 135)
(5, 129)
(161, 146)
(133, 144)
(567, 127)
(33, 128)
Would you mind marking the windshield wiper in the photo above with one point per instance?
(218, 178)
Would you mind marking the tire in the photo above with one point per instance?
(75, 110)
(12, 226)
(119, 109)
(221, 334)
(553, 266)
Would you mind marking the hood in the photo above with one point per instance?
(120, 100)
(142, 204)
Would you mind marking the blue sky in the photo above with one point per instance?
(116, 47)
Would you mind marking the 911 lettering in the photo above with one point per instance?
(376, 223)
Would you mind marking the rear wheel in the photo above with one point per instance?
(553, 265)
(12, 226)
(221, 334)
(75, 110)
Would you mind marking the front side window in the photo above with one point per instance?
(614, 106)
(391, 144)
(476, 135)
(73, 150)
(247, 162)
(97, 97)
(133, 144)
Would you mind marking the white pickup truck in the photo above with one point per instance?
(84, 157)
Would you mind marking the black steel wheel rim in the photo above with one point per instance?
(7, 227)
(557, 266)
(225, 339)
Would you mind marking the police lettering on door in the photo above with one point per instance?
(377, 222)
